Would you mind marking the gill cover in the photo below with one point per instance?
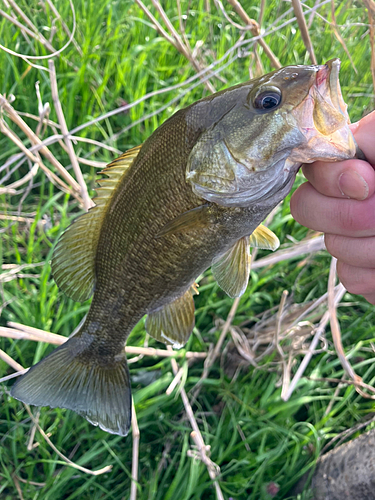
(292, 116)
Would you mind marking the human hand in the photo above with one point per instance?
(339, 200)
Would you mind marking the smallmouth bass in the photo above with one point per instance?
(192, 196)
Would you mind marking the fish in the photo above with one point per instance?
(194, 195)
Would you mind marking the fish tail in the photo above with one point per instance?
(79, 376)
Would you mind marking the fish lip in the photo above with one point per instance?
(327, 77)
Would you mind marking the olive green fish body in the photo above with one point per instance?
(137, 271)
(192, 196)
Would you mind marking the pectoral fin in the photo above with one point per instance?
(173, 323)
(264, 239)
(188, 221)
(232, 269)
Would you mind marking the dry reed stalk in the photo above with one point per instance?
(212, 468)
(36, 160)
(183, 48)
(173, 39)
(314, 244)
(335, 326)
(24, 34)
(69, 462)
(87, 202)
(279, 317)
(215, 352)
(10, 361)
(34, 139)
(25, 332)
(30, 444)
(340, 291)
(135, 454)
(303, 29)
(336, 336)
(26, 178)
(255, 30)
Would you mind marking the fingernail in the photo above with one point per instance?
(353, 185)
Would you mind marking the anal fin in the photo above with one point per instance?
(173, 323)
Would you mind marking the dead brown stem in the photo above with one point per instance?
(30, 444)
(255, 30)
(175, 39)
(215, 352)
(286, 373)
(10, 361)
(309, 246)
(14, 116)
(297, 7)
(69, 462)
(135, 454)
(25, 178)
(19, 331)
(319, 332)
(212, 468)
(87, 202)
(335, 326)
(35, 159)
(22, 27)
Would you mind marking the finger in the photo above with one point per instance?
(364, 133)
(370, 298)
(346, 179)
(333, 215)
(357, 280)
(358, 252)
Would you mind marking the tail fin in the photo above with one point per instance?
(95, 389)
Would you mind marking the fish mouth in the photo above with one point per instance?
(328, 78)
(323, 119)
(329, 112)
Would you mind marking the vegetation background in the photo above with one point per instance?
(141, 62)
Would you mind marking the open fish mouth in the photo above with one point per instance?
(329, 107)
(323, 119)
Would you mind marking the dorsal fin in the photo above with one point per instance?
(74, 255)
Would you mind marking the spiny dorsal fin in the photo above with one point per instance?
(264, 238)
(74, 255)
(173, 323)
(232, 269)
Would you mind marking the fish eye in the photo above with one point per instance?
(268, 99)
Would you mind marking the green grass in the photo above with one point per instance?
(254, 436)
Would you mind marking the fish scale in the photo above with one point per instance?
(194, 194)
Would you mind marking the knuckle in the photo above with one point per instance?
(347, 220)
(333, 244)
(348, 277)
